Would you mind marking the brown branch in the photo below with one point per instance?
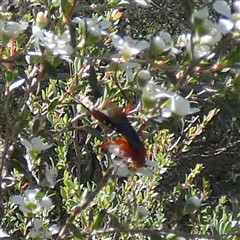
(68, 18)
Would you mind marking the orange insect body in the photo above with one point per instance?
(126, 151)
(130, 145)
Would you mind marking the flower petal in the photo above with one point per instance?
(151, 163)
(223, 8)
(236, 6)
(46, 202)
(37, 224)
(114, 149)
(26, 143)
(53, 229)
(120, 168)
(17, 199)
(39, 145)
(3, 234)
(193, 110)
(225, 26)
(31, 194)
(144, 172)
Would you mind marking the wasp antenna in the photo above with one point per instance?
(116, 82)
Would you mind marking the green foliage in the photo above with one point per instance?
(60, 178)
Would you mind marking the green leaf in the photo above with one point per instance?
(94, 132)
(33, 59)
(19, 165)
(25, 114)
(234, 55)
(114, 221)
(53, 104)
(39, 195)
(92, 79)
(75, 231)
(63, 76)
(227, 227)
(66, 7)
(50, 69)
(99, 219)
(77, 65)
(35, 126)
(235, 208)
(171, 236)
(9, 75)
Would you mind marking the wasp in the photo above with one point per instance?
(130, 144)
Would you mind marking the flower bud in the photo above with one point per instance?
(142, 212)
(143, 76)
(149, 102)
(171, 236)
(192, 204)
(41, 20)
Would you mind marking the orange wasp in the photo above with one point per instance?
(130, 144)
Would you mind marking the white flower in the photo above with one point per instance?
(128, 47)
(237, 25)
(35, 144)
(178, 106)
(122, 165)
(121, 168)
(198, 49)
(59, 46)
(8, 182)
(93, 25)
(86, 102)
(151, 93)
(162, 41)
(224, 25)
(50, 174)
(201, 51)
(38, 35)
(12, 29)
(29, 204)
(155, 91)
(184, 40)
(3, 234)
(211, 33)
(40, 231)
